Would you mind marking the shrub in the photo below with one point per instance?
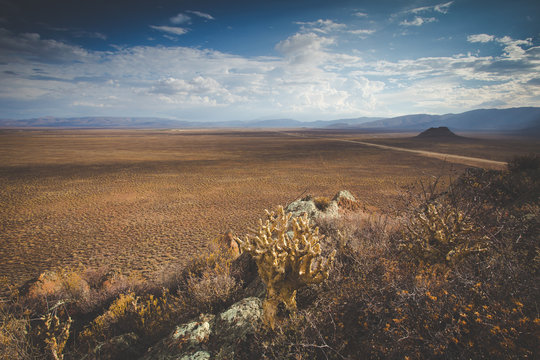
(81, 290)
(214, 288)
(524, 163)
(14, 339)
(321, 202)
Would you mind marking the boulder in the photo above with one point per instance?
(303, 206)
(210, 336)
(343, 194)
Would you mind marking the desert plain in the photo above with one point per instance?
(138, 201)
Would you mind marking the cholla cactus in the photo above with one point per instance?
(288, 256)
(441, 234)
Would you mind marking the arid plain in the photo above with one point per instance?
(141, 200)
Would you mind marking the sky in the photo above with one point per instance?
(242, 60)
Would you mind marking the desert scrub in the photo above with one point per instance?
(148, 316)
(81, 290)
(15, 342)
(207, 281)
(288, 256)
(321, 202)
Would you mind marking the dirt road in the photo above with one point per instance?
(459, 159)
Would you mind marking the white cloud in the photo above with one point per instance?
(322, 26)
(363, 33)
(196, 91)
(417, 21)
(513, 48)
(480, 38)
(360, 14)
(180, 19)
(310, 79)
(32, 46)
(440, 8)
(304, 49)
(170, 29)
(443, 8)
(201, 14)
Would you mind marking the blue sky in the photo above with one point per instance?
(241, 60)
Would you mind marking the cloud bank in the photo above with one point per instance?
(310, 77)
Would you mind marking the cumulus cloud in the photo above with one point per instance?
(201, 14)
(360, 14)
(180, 19)
(304, 49)
(198, 90)
(480, 38)
(513, 49)
(175, 30)
(417, 21)
(310, 78)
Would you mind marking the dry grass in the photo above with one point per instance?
(141, 200)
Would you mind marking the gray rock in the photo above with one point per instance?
(343, 194)
(210, 336)
(332, 210)
(199, 355)
(301, 207)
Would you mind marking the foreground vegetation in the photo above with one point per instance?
(454, 276)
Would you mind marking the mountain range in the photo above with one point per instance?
(523, 119)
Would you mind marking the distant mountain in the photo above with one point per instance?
(525, 119)
(95, 122)
(137, 123)
(514, 119)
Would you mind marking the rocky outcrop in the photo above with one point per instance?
(210, 336)
(307, 205)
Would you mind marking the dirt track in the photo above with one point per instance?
(459, 159)
(467, 160)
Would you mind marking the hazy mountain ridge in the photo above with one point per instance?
(513, 119)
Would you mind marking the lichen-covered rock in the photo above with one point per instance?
(332, 210)
(199, 355)
(186, 341)
(194, 333)
(306, 205)
(210, 336)
(239, 319)
(303, 206)
(343, 194)
(235, 324)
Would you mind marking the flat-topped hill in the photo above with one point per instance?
(438, 132)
